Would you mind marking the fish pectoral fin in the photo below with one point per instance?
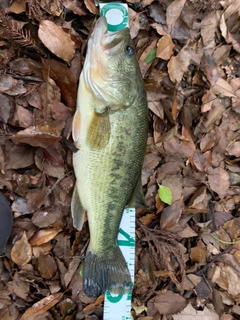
(98, 133)
(78, 212)
(137, 199)
(76, 126)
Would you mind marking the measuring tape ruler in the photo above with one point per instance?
(116, 15)
(118, 306)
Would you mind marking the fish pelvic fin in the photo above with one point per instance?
(106, 273)
(98, 133)
(137, 199)
(78, 212)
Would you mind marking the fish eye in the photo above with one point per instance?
(129, 50)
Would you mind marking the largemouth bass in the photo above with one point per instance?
(110, 129)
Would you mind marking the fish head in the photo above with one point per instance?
(111, 68)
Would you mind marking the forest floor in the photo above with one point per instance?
(187, 252)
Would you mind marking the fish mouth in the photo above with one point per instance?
(110, 42)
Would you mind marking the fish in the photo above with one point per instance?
(110, 129)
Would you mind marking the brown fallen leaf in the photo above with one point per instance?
(53, 8)
(56, 40)
(76, 7)
(165, 47)
(19, 156)
(173, 12)
(207, 142)
(218, 180)
(11, 86)
(175, 184)
(21, 252)
(63, 78)
(18, 6)
(22, 117)
(46, 266)
(41, 306)
(91, 6)
(176, 69)
(43, 236)
(171, 215)
(189, 313)
(166, 303)
(41, 135)
(234, 149)
(199, 254)
(99, 300)
(227, 278)
(20, 287)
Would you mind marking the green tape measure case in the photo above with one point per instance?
(116, 15)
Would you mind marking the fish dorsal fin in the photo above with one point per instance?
(137, 199)
(76, 126)
(98, 133)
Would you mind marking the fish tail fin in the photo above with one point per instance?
(106, 273)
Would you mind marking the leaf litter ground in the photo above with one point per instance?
(187, 252)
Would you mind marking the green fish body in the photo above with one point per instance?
(110, 129)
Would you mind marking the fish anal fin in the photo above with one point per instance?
(102, 273)
(98, 133)
(76, 126)
(137, 198)
(78, 212)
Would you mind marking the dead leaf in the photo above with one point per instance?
(7, 104)
(46, 217)
(199, 254)
(41, 306)
(41, 135)
(166, 303)
(198, 202)
(91, 6)
(174, 183)
(223, 88)
(63, 78)
(171, 215)
(218, 180)
(227, 278)
(165, 47)
(151, 161)
(21, 252)
(20, 287)
(22, 117)
(176, 69)
(43, 236)
(11, 86)
(234, 149)
(173, 12)
(189, 313)
(46, 266)
(56, 40)
(53, 8)
(19, 156)
(207, 142)
(18, 6)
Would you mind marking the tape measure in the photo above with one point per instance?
(118, 306)
(116, 15)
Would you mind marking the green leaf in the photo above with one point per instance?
(165, 194)
(151, 56)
